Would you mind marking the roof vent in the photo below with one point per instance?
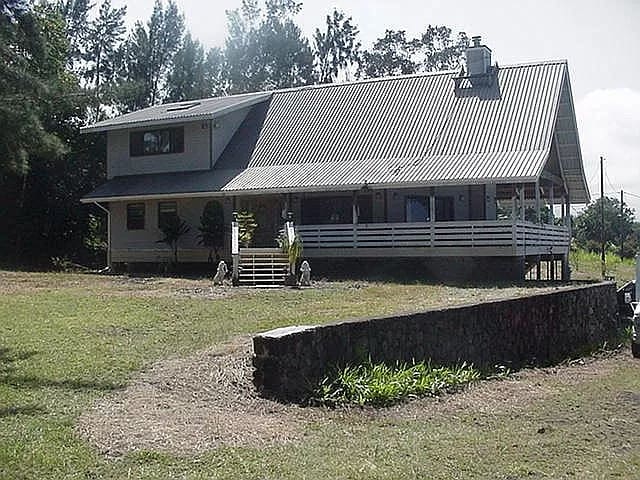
(179, 107)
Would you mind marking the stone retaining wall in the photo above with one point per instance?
(537, 329)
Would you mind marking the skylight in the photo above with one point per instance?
(182, 106)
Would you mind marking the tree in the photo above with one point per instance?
(32, 56)
(216, 73)
(76, 16)
(194, 74)
(337, 49)
(439, 51)
(212, 228)
(186, 80)
(391, 55)
(395, 54)
(173, 228)
(49, 165)
(104, 36)
(147, 56)
(618, 226)
(265, 49)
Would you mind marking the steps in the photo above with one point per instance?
(262, 267)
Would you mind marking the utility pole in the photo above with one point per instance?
(621, 218)
(603, 258)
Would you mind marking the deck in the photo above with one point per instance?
(462, 238)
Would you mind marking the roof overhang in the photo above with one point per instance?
(115, 124)
(306, 189)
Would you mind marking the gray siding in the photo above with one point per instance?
(225, 129)
(143, 246)
(196, 154)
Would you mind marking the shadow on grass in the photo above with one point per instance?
(8, 358)
(24, 410)
(8, 376)
(24, 381)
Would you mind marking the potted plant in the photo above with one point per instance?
(293, 250)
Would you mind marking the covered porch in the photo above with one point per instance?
(515, 220)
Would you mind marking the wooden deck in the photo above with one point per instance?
(477, 238)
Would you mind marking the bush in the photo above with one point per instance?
(383, 385)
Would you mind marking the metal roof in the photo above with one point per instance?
(400, 131)
(192, 110)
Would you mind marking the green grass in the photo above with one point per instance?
(67, 340)
(587, 266)
(383, 385)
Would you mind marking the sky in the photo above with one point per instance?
(597, 37)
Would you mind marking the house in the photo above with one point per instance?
(448, 165)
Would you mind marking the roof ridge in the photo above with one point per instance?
(388, 78)
(535, 63)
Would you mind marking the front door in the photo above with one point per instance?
(268, 214)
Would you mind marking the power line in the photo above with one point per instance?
(631, 194)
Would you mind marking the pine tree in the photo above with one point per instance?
(104, 36)
(147, 56)
(266, 49)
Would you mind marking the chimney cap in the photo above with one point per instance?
(476, 40)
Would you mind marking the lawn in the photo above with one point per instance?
(587, 266)
(68, 341)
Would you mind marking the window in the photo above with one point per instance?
(135, 216)
(327, 210)
(445, 211)
(166, 211)
(417, 208)
(156, 142)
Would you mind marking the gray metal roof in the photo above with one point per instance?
(181, 111)
(398, 131)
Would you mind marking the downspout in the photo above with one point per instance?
(106, 210)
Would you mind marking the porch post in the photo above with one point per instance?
(537, 186)
(432, 216)
(552, 201)
(514, 204)
(522, 199)
(235, 250)
(432, 205)
(566, 267)
(354, 218)
(354, 208)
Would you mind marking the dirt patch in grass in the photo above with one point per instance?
(191, 405)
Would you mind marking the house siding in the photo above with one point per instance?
(196, 155)
(226, 127)
(143, 246)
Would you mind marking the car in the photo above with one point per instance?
(635, 332)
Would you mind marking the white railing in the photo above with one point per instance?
(463, 234)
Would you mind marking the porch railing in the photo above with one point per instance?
(471, 234)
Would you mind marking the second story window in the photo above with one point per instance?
(156, 142)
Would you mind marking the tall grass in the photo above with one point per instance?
(586, 265)
(383, 385)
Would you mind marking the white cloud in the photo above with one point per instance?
(609, 125)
